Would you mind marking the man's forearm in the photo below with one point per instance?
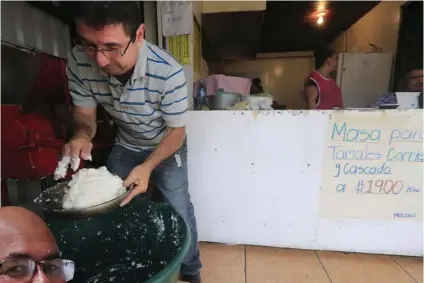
(84, 125)
(169, 145)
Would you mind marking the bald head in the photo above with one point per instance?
(24, 233)
(23, 237)
(17, 220)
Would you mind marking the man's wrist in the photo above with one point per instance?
(149, 164)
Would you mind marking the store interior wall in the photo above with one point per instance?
(410, 42)
(285, 76)
(23, 24)
(232, 6)
(379, 26)
(18, 71)
(150, 22)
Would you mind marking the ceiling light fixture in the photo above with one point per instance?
(320, 18)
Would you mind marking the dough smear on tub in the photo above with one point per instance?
(90, 187)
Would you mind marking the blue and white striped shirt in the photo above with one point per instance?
(155, 97)
(387, 99)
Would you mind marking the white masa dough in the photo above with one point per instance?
(90, 187)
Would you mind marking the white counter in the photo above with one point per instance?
(260, 178)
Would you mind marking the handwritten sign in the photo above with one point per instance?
(177, 18)
(373, 166)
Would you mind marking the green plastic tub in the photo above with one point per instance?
(141, 242)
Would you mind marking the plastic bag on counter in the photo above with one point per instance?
(259, 102)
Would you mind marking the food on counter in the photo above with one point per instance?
(203, 108)
(259, 102)
(90, 187)
(262, 94)
(244, 105)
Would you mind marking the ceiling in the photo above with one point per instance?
(282, 27)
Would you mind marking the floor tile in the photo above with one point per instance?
(274, 265)
(412, 265)
(362, 268)
(222, 263)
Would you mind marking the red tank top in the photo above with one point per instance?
(329, 93)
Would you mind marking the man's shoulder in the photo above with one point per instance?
(310, 82)
(389, 95)
(388, 98)
(161, 60)
(80, 61)
(79, 57)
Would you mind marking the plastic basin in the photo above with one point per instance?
(141, 242)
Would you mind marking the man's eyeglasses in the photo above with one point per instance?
(58, 270)
(108, 52)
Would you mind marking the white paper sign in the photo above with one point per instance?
(177, 18)
(373, 166)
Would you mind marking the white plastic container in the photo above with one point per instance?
(407, 100)
(259, 102)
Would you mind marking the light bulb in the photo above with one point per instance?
(320, 20)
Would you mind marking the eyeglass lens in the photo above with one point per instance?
(22, 268)
(108, 52)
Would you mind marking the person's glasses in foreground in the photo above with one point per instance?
(24, 269)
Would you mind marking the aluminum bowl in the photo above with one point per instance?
(50, 201)
(224, 100)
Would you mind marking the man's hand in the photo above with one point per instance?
(78, 146)
(85, 128)
(139, 176)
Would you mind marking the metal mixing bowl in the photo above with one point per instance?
(223, 100)
(50, 201)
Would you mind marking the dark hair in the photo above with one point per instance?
(98, 14)
(408, 68)
(256, 86)
(321, 55)
(413, 67)
(257, 81)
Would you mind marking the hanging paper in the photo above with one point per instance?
(179, 47)
(177, 18)
(197, 57)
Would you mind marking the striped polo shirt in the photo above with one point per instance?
(386, 99)
(155, 97)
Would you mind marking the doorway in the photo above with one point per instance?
(410, 40)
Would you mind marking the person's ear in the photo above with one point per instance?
(139, 35)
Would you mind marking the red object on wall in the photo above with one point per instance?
(51, 83)
(10, 113)
(51, 87)
(29, 147)
(32, 142)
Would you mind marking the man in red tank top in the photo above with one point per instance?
(322, 92)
